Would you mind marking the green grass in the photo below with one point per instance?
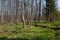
(17, 32)
(50, 24)
(56, 23)
(28, 33)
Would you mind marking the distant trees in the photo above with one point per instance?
(27, 11)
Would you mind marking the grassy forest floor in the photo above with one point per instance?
(17, 32)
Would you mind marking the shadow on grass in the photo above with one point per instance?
(13, 39)
(20, 38)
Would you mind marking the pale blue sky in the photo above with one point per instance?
(58, 4)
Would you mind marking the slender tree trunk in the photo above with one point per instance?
(2, 11)
(17, 6)
(23, 19)
(26, 11)
(39, 9)
(32, 11)
(35, 19)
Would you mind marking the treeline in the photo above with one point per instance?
(28, 11)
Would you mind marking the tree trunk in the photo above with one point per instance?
(39, 10)
(23, 19)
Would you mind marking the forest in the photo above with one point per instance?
(29, 20)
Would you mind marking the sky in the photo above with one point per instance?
(58, 5)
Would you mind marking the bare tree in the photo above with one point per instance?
(39, 9)
(32, 10)
(23, 19)
(17, 6)
(35, 17)
(2, 10)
